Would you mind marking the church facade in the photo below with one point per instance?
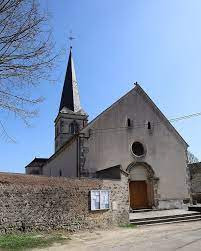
(132, 136)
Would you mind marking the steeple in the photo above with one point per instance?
(70, 99)
(71, 118)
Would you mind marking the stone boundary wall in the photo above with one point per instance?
(30, 203)
(195, 180)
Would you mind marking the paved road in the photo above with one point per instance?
(180, 236)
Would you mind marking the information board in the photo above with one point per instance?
(99, 200)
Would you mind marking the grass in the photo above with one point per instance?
(27, 241)
(128, 225)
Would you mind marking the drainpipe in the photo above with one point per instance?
(78, 156)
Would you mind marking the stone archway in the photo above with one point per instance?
(143, 185)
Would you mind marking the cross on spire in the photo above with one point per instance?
(71, 38)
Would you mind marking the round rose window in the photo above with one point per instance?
(138, 149)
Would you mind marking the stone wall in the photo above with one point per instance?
(30, 203)
(195, 180)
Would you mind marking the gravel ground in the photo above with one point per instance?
(179, 236)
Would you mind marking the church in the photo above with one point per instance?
(131, 136)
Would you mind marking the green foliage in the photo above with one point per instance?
(25, 241)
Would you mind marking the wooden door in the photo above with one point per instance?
(138, 194)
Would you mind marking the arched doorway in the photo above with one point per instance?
(143, 186)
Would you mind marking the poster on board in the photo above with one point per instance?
(99, 199)
(95, 200)
(104, 199)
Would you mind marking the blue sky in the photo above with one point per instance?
(157, 43)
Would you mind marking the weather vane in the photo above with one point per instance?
(71, 38)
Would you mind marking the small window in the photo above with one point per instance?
(138, 149)
(99, 200)
(74, 127)
(61, 124)
(149, 125)
(71, 128)
(57, 131)
(128, 122)
(60, 173)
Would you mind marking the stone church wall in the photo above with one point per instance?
(30, 203)
(63, 163)
(110, 144)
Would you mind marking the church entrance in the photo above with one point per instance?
(138, 194)
(142, 186)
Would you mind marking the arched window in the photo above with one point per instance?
(74, 127)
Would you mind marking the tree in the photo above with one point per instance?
(192, 158)
(26, 56)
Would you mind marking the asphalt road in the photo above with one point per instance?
(180, 236)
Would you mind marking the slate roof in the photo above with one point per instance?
(37, 162)
(113, 172)
(70, 95)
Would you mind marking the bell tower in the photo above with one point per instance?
(71, 117)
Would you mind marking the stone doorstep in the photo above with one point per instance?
(168, 216)
(196, 208)
(167, 219)
(159, 213)
(168, 222)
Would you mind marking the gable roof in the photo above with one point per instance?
(140, 91)
(37, 162)
(90, 124)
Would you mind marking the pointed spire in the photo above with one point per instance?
(70, 95)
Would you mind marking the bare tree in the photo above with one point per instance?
(26, 55)
(192, 158)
